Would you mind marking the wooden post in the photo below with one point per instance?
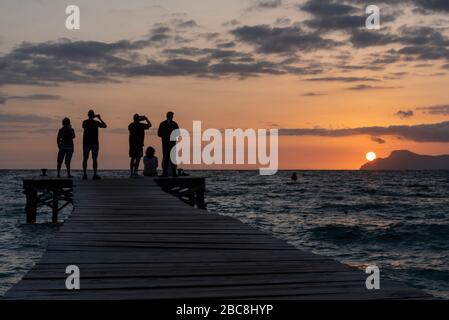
(31, 204)
(200, 202)
(55, 207)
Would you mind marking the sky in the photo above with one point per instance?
(310, 68)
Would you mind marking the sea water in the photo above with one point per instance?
(398, 221)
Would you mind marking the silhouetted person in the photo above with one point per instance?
(65, 145)
(136, 141)
(150, 162)
(165, 130)
(91, 142)
(294, 177)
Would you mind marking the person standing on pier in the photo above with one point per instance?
(136, 141)
(91, 142)
(165, 130)
(65, 145)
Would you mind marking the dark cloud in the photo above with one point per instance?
(24, 118)
(378, 140)
(365, 38)
(186, 24)
(422, 35)
(365, 87)
(247, 69)
(404, 114)
(209, 53)
(336, 23)
(419, 6)
(312, 94)
(266, 4)
(348, 67)
(386, 58)
(436, 110)
(35, 97)
(244, 51)
(435, 132)
(332, 15)
(433, 5)
(282, 22)
(422, 43)
(231, 23)
(327, 8)
(281, 40)
(226, 45)
(425, 52)
(171, 67)
(50, 63)
(342, 79)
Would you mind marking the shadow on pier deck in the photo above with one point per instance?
(131, 240)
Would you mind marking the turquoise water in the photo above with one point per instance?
(398, 221)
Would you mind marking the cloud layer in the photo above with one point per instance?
(436, 132)
(173, 48)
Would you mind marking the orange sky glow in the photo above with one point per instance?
(333, 97)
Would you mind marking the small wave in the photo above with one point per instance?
(431, 274)
(356, 207)
(338, 233)
(434, 234)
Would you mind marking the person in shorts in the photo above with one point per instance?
(136, 141)
(91, 142)
(65, 145)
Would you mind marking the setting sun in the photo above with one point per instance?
(371, 156)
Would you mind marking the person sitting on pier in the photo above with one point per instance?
(65, 145)
(150, 162)
(91, 142)
(165, 130)
(136, 142)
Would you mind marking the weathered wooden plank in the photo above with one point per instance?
(191, 269)
(133, 241)
(125, 256)
(348, 290)
(345, 279)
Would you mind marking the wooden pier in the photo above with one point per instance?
(131, 240)
(46, 192)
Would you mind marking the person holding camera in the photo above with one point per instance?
(136, 141)
(91, 142)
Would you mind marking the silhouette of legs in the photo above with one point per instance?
(95, 166)
(64, 154)
(59, 161)
(165, 159)
(134, 165)
(59, 169)
(67, 165)
(131, 166)
(86, 150)
(166, 150)
(85, 157)
(95, 150)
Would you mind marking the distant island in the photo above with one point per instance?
(407, 160)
